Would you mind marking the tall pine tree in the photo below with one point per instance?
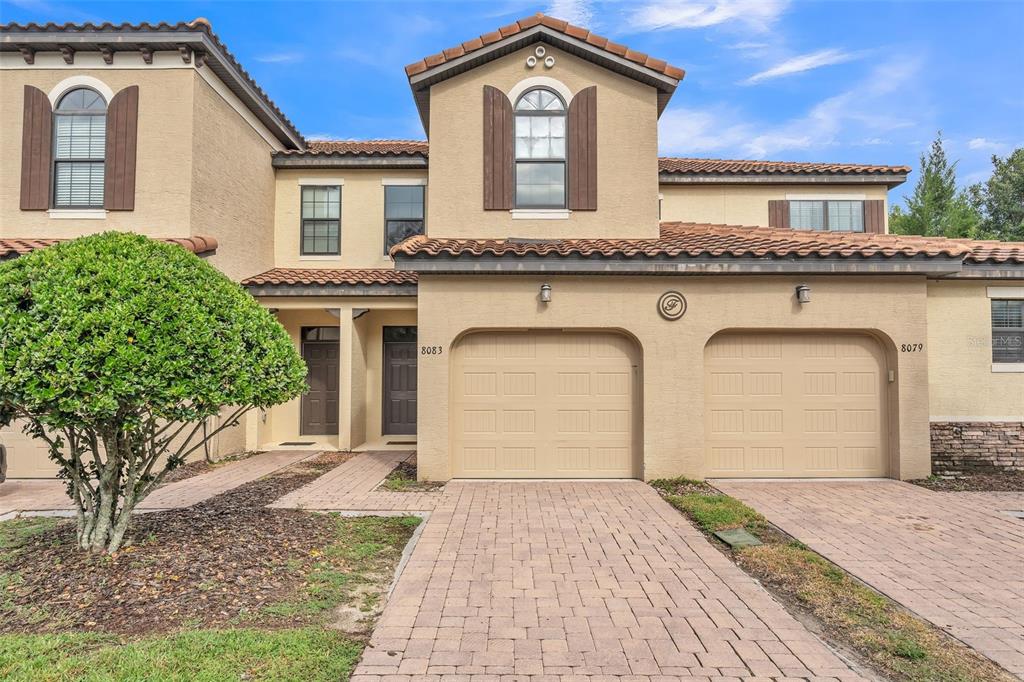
(936, 208)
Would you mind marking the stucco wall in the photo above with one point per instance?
(163, 182)
(362, 217)
(627, 164)
(232, 186)
(963, 386)
(748, 204)
(673, 352)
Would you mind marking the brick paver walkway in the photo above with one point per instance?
(585, 580)
(352, 487)
(33, 495)
(955, 559)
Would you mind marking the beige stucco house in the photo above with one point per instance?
(537, 293)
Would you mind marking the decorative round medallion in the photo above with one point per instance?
(671, 305)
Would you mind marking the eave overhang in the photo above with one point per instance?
(270, 290)
(889, 180)
(420, 83)
(680, 265)
(352, 161)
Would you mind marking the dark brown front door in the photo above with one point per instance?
(399, 381)
(319, 409)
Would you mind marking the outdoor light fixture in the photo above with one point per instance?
(545, 293)
(803, 293)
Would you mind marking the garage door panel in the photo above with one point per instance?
(563, 405)
(26, 456)
(794, 405)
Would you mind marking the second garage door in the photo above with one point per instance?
(795, 405)
(27, 457)
(544, 405)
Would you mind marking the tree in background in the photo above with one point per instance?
(936, 208)
(1000, 199)
(115, 349)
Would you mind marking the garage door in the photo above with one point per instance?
(794, 405)
(544, 405)
(26, 457)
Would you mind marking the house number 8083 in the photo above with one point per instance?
(431, 350)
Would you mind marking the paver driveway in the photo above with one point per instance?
(953, 558)
(546, 580)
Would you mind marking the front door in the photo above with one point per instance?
(319, 408)
(399, 381)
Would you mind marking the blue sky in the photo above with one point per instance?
(861, 81)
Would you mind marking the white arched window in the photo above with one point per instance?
(540, 149)
(79, 148)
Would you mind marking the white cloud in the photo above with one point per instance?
(986, 145)
(579, 12)
(758, 15)
(280, 58)
(866, 111)
(802, 63)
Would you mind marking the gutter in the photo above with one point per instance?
(889, 179)
(348, 161)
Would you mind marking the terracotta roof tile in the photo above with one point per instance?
(11, 247)
(360, 148)
(199, 24)
(697, 239)
(554, 24)
(349, 277)
(704, 166)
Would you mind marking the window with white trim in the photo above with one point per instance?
(79, 149)
(1008, 331)
(403, 213)
(827, 215)
(321, 220)
(540, 150)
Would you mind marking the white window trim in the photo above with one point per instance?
(540, 82)
(1006, 292)
(332, 259)
(1008, 367)
(540, 213)
(321, 182)
(403, 182)
(73, 82)
(78, 213)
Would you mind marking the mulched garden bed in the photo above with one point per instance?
(201, 466)
(1004, 481)
(205, 566)
(402, 479)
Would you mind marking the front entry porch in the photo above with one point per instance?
(361, 356)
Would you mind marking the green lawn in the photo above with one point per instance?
(287, 640)
(310, 654)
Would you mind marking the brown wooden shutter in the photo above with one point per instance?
(778, 213)
(582, 141)
(499, 162)
(36, 150)
(122, 134)
(874, 216)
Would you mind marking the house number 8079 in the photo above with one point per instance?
(431, 350)
(912, 347)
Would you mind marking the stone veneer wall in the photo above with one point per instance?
(975, 447)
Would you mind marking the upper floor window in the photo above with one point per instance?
(403, 213)
(540, 150)
(827, 215)
(321, 220)
(1008, 330)
(79, 149)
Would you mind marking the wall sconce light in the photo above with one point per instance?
(545, 293)
(803, 293)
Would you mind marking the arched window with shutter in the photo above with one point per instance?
(540, 150)
(79, 149)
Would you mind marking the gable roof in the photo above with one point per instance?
(539, 28)
(194, 40)
(12, 247)
(707, 242)
(694, 170)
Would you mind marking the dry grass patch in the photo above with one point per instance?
(850, 614)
